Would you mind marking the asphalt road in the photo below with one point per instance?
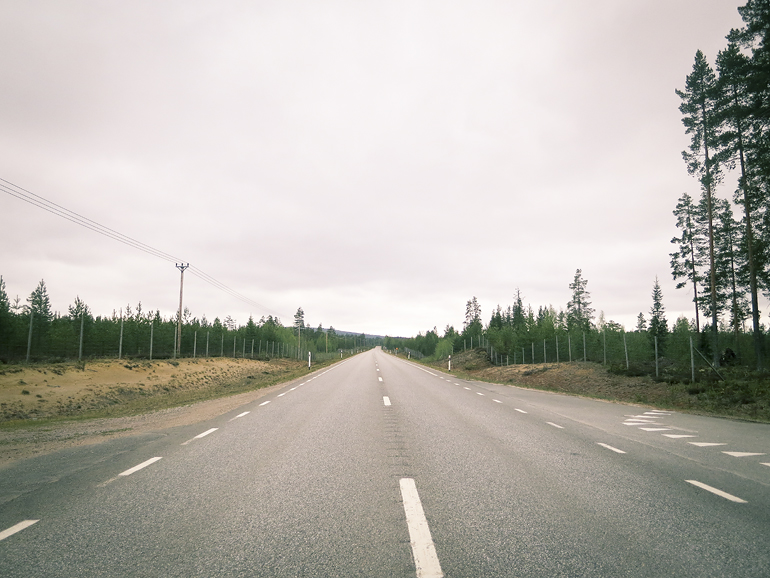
(380, 467)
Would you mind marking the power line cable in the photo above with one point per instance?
(58, 210)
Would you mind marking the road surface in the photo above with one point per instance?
(380, 467)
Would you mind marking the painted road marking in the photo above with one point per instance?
(519, 410)
(717, 492)
(292, 389)
(240, 415)
(468, 388)
(379, 378)
(479, 393)
(204, 434)
(139, 467)
(705, 444)
(655, 428)
(386, 400)
(17, 528)
(764, 464)
(555, 424)
(609, 447)
(264, 403)
(742, 454)
(677, 436)
(497, 401)
(423, 549)
(282, 394)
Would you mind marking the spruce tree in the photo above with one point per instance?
(658, 323)
(579, 311)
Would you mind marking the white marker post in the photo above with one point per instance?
(308, 360)
(450, 363)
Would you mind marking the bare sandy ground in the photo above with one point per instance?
(67, 390)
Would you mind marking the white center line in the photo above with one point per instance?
(717, 492)
(16, 528)
(468, 388)
(264, 403)
(555, 424)
(240, 415)
(282, 394)
(497, 400)
(292, 389)
(479, 393)
(139, 467)
(379, 378)
(609, 447)
(386, 400)
(742, 454)
(519, 410)
(655, 428)
(705, 444)
(677, 436)
(423, 549)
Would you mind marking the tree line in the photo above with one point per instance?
(723, 258)
(520, 333)
(33, 330)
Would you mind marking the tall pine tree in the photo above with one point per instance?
(699, 116)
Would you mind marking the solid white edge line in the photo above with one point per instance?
(717, 492)
(130, 471)
(16, 528)
(385, 400)
(609, 447)
(423, 549)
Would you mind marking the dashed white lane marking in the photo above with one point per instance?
(468, 388)
(519, 410)
(655, 428)
(386, 400)
(716, 491)
(456, 383)
(143, 465)
(292, 389)
(282, 394)
(16, 528)
(423, 549)
(479, 393)
(742, 454)
(240, 415)
(379, 378)
(764, 464)
(201, 435)
(677, 436)
(555, 424)
(264, 403)
(609, 447)
(497, 401)
(705, 444)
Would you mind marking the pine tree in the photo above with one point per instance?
(658, 323)
(686, 262)
(699, 110)
(731, 261)
(579, 311)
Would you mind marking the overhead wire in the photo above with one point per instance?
(58, 210)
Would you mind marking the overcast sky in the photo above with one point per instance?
(376, 163)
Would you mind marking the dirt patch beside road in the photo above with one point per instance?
(70, 404)
(742, 394)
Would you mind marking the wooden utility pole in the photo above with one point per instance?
(178, 348)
